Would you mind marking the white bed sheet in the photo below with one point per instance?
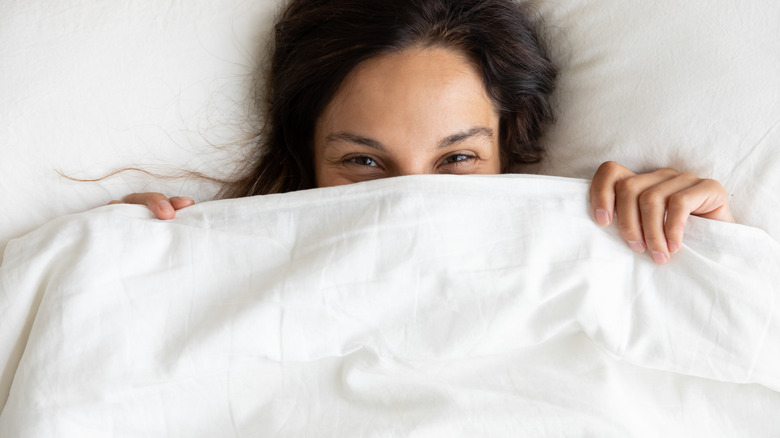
(419, 306)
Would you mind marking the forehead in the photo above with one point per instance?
(413, 91)
(431, 68)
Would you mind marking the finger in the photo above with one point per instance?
(115, 202)
(628, 213)
(706, 198)
(653, 206)
(602, 190)
(156, 202)
(716, 205)
(179, 202)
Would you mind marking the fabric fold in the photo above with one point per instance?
(426, 304)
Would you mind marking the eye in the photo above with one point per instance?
(362, 160)
(458, 159)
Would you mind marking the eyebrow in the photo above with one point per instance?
(465, 135)
(443, 143)
(354, 138)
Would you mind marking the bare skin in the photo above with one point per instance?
(162, 206)
(425, 111)
(419, 111)
(639, 204)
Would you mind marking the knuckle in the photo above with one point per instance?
(678, 201)
(667, 173)
(144, 198)
(154, 197)
(674, 229)
(651, 199)
(610, 167)
(602, 199)
(628, 230)
(713, 185)
(628, 186)
(131, 198)
(610, 171)
(688, 176)
(657, 246)
(655, 242)
(620, 186)
(602, 189)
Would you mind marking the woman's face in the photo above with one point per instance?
(416, 111)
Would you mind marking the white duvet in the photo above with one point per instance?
(419, 306)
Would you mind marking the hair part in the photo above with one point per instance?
(317, 43)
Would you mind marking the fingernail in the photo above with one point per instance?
(165, 206)
(673, 247)
(659, 257)
(602, 217)
(637, 247)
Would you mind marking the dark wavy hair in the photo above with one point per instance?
(318, 42)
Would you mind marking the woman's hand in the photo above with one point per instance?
(651, 208)
(162, 206)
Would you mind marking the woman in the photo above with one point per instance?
(366, 89)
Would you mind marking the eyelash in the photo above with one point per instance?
(355, 160)
(466, 158)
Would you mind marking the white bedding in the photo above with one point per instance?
(419, 306)
(89, 86)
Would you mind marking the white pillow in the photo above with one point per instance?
(691, 85)
(90, 86)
